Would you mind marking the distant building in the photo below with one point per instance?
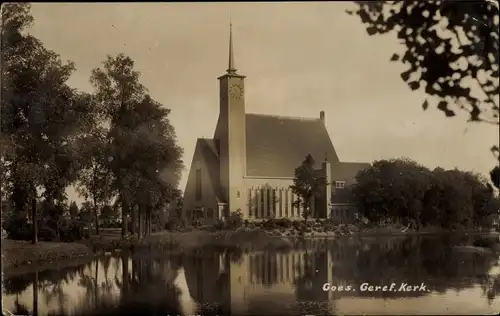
(249, 163)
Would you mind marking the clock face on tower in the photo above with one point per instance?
(236, 91)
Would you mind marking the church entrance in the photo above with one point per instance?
(222, 211)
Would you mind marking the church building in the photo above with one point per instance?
(248, 165)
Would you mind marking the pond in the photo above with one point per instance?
(223, 282)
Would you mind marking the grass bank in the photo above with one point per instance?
(18, 254)
(22, 255)
(178, 241)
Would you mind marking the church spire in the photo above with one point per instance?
(231, 69)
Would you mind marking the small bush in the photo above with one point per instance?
(17, 227)
(46, 233)
(73, 231)
(485, 242)
(174, 224)
(235, 220)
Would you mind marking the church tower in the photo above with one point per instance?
(230, 134)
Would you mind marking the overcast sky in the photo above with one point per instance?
(299, 59)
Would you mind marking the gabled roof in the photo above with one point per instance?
(347, 171)
(276, 145)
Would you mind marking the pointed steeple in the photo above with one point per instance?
(231, 69)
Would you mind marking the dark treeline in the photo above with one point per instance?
(115, 145)
(402, 191)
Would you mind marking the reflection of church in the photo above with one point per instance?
(258, 277)
(275, 280)
(239, 285)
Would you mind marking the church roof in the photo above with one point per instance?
(276, 145)
(347, 171)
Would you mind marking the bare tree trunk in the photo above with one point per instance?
(34, 213)
(133, 209)
(96, 216)
(148, 220)
(125, 211)
(139, 219)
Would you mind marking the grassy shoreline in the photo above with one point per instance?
(19, 256)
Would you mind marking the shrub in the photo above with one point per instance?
(282, 222)
(46, 233)
(174, 224)
(17, 227)
(197, 222)
(73, 230)
(486, 242)
(235, 220)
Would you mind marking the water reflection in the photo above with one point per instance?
(214, 282)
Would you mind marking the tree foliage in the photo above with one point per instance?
(400, 190)
(116, 144)
(451, 52)
(143, 154)
(41, 115)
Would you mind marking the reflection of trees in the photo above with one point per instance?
(411, 260)
(416, 260)
(491, 287)
(90, 283)
(35, 295)
(19, 308)
(49, 283)
(145, 286)
(146, 283)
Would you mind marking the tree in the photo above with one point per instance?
(451, 49)
(108, 214)
(400, 190)
(73, 210)
(155, 174)
(95, 180)
(143, 154)
(40, 114)
(391, 190)
(306, 185)
(117, 91)
(87, 213)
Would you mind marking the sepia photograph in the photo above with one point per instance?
(250, 158)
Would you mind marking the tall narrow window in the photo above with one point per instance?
(286, 203)
(275, 203)
(262, 206)
(269, 202)
(198, 185)
(280, 201)
(250, 204)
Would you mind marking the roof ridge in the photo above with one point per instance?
(287, 117)
(354, 162)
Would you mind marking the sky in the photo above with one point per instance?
(299, 59)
